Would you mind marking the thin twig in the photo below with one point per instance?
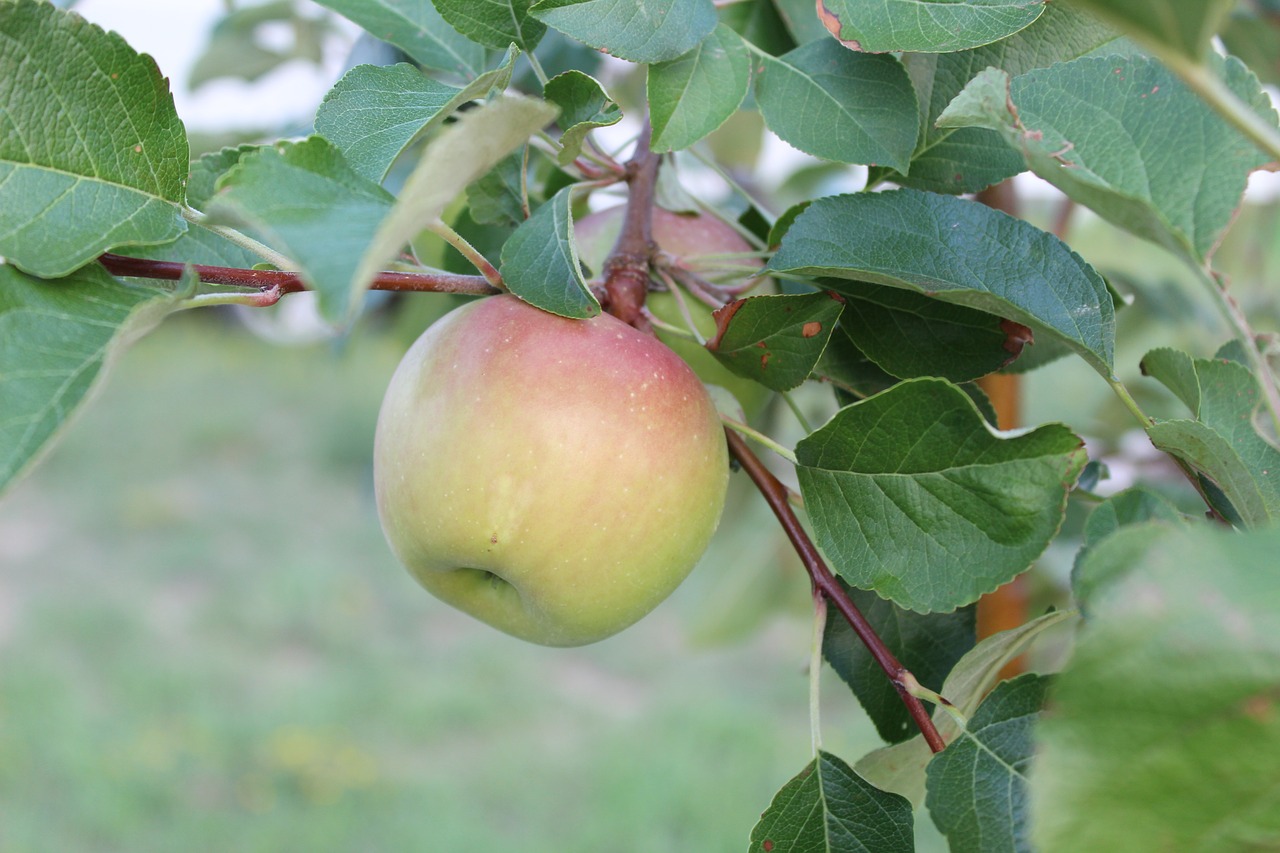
(775, 494)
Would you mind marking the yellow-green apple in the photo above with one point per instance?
(555, 478)
(688, 238)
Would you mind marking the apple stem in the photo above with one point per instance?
(826, 585)
(626, 270)
(279, 282)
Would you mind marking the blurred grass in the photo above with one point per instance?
(206, 645)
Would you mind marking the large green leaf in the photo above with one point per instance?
(955, 160)
(927, 644)
(827, 808)
(957, 251)
(56, 338)
(911, 494)
(417, 28)
(653, 31)
(1183, 27)
(978, 794)
(92, 153)
(1223, 442)
(303, 198)
(925, 26)
(1165, 733)
(694, 94)
(1117, 134)
(496, 23)
(540, 261)
(901, 768)
(839, 105)
(375, 112)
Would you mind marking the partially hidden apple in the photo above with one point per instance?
(689, 238)
(555, 478)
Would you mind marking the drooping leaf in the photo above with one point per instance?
(801, 20)
(56, 338)
(495, 23)
(304, 199)
(909, 334)
(775, 340)
(839, 105)
(694, 94)
(1223, 442)
(1165, 733)
(92, 154)
(911, 494)
(977, 788)
(827, 808)
(928, 645)
(901, 768)
(760, 24)
(1255, 41)
(955, 160)
(960, 252)
(1116, 133)
(925, 26)
(1183, 27)
(460, 154)
(584, 106)
(540, 261)
(418, 29)
(653, 31)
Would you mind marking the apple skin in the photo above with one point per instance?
(555, 478)
(686, 237)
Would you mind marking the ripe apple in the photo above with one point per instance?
(689, 238)
(555, 478)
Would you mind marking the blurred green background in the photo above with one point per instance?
(206, 645)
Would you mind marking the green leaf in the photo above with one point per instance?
(496, 198)
(775, 340)
(92, 154)
(56, 339)
(495, 23)
(584, 106)
(1256, 42)
(236, 47)
(303, 198)
(462, 153)
(759, 23)
(1222, 443)
(417, 28)
(955, 160)
(839, 105)
(901, 768)
(692, 95)
(1165, 733)
(978, 794)
(375, 112)
(925, 26)
(827, 808)
(960, 252)
(540, 261)
(911, 494)
(909, 334)
(801, 20)
(1184, 27)
(653, 31)
(1116, 134)
(928, 645)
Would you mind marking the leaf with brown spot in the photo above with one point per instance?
(792, 329)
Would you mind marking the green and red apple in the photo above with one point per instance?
(555, 478)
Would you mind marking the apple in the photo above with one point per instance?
(555, 478)
(688, 238)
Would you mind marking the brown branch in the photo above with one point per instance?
(280, 282)
(626, 270)
(775, 494)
